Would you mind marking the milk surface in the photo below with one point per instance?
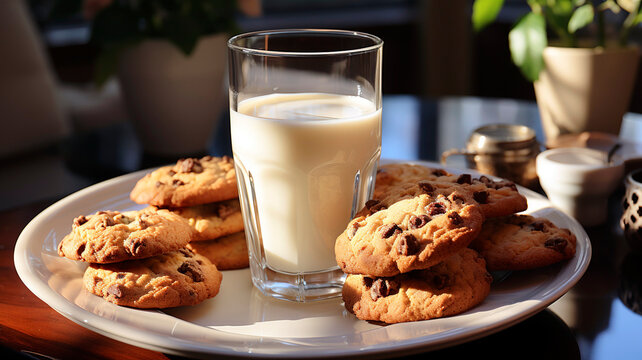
(303, 152)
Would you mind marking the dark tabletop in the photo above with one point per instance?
(599, 318)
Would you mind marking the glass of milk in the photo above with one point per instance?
(305, 119)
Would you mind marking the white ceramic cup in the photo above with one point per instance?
(579, 181)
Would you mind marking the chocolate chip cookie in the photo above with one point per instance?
(521, 242)
(413, 233)
(213, 220)
(187, 183)
(112, 236)
(227, 252)
(402, 180)
(178, 278)
(455, 285)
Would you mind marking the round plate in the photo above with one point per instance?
(240, 321)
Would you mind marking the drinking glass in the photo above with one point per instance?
(305, 119)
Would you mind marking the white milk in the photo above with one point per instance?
(303, 152)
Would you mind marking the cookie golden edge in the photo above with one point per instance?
(114, 236)
(168, 186)
(458, 284)
(515, 242)
(165, 281)
(228, 252)
(378, 258)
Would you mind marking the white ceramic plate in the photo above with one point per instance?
(242, 322)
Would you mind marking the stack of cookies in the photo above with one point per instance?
(203, 192)
(168, 254)
(139, 259)
(422, 248)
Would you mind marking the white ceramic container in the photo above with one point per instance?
(579, 181)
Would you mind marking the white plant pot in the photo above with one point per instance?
(174, 100)
(585, 89)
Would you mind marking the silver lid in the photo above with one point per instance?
(498, 138)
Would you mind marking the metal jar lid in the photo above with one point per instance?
(501, 138)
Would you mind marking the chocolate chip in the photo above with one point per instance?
(557, 244)
(634, 198)
(633, 219)
(484, 179)
(371, 203)
(373, 206)
(80, 220)
(497, 184)
(105, 222)
(352, 230)
(120, 276)
(186, 252)
(417, 222)
(115, 290)
(439, 172)
(223, 210)
(426, 187)
(481, 196)
(639, 211)
(625, 204)
(134, 246)
(456, 198)
(408, 245)
(389, 230)
(190, 165)
(436, 208)
(455, 218)
(367, 281)
(440, 281)
(190, 270)
(382, 288)
(465, 179)
(81, 249)
(177, 183)
(537, 226)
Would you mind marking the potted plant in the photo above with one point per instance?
(583, 78)
(170, 60)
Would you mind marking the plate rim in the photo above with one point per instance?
(173, 345)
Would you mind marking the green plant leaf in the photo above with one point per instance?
(581, 17)
(485, 12)
(527, 40)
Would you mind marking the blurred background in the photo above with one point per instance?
(53, 113)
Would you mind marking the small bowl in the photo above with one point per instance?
(579, 181)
